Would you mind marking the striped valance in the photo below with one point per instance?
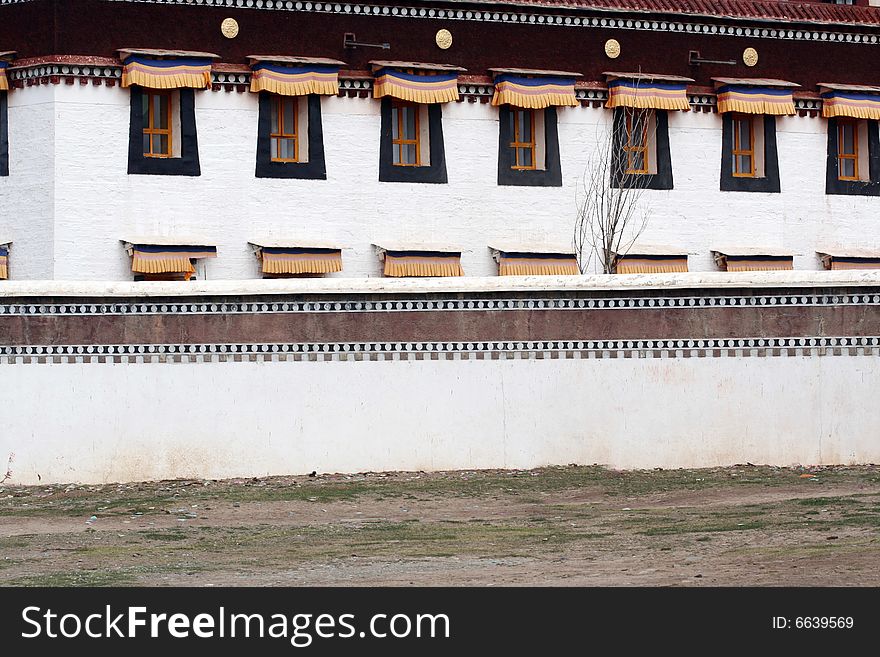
(295, 80)
(651, 264)
(420, 86)
(4, 261)
(536, 264)
(756, 263)
(166, 73)
(155, 259)
(4, 82)
(423, 263)
(852, 104)
(534, 92)
(755, 100)
(851, 259)
(853, 263)
(643, 94)
(282, 260)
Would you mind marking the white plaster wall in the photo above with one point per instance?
(246, 419)
(27, 213)
(96, 202)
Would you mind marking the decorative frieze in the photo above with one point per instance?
(109, 74)
(746, 28)
(479, 350)
(436, 305)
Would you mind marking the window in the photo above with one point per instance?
(853, 146)
(405, 137)
(411, 145)
(290, 137)
(847, 150)
(641, 156)
(743, 146)
(636, 141)
(749, 161)
(157, 123)
(523, 144)
(162, 137)
(4, 135)
(528, 147)
(284, 131)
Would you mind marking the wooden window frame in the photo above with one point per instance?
(152, 131)
(854, 156)
(278, 106)
(400, 142)
(738, 151)
(630, 147)
(517, 143)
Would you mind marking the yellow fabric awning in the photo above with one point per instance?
(183, 72)
(295, 80)
(4, 82)
(768, 98)
(280, 260)
(854, 258)
(648, 94)
(163, 259)
(754, 262)
(644, 264)
(422, 263)
(537, 264)
(855, 263)
(852, 102)
(534, 92)
(416, 86)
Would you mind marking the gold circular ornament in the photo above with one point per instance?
(443, 39)
(750, 56)
(612, 48)
(229, 28)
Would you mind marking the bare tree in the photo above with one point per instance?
(8, 474)
(610, 217)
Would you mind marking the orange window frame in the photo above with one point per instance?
(284, 131)
(738, 148)
(151, 128)
(631, 146)
(518, 142)
(841, 156)
(400, 142)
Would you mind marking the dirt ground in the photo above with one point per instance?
(559, 526)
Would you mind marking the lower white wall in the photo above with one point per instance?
(120, 422)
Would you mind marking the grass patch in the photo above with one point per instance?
(75, 578)
(528, 486)
(707, 529)
(164, 535)
(15, 542)
(826, 501)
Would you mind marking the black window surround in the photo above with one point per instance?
(550, 175)
(188, 162)
(660, 180)
(769, 182)
(315, 168)
(833, 184)
(4, 135)
(434, 172)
